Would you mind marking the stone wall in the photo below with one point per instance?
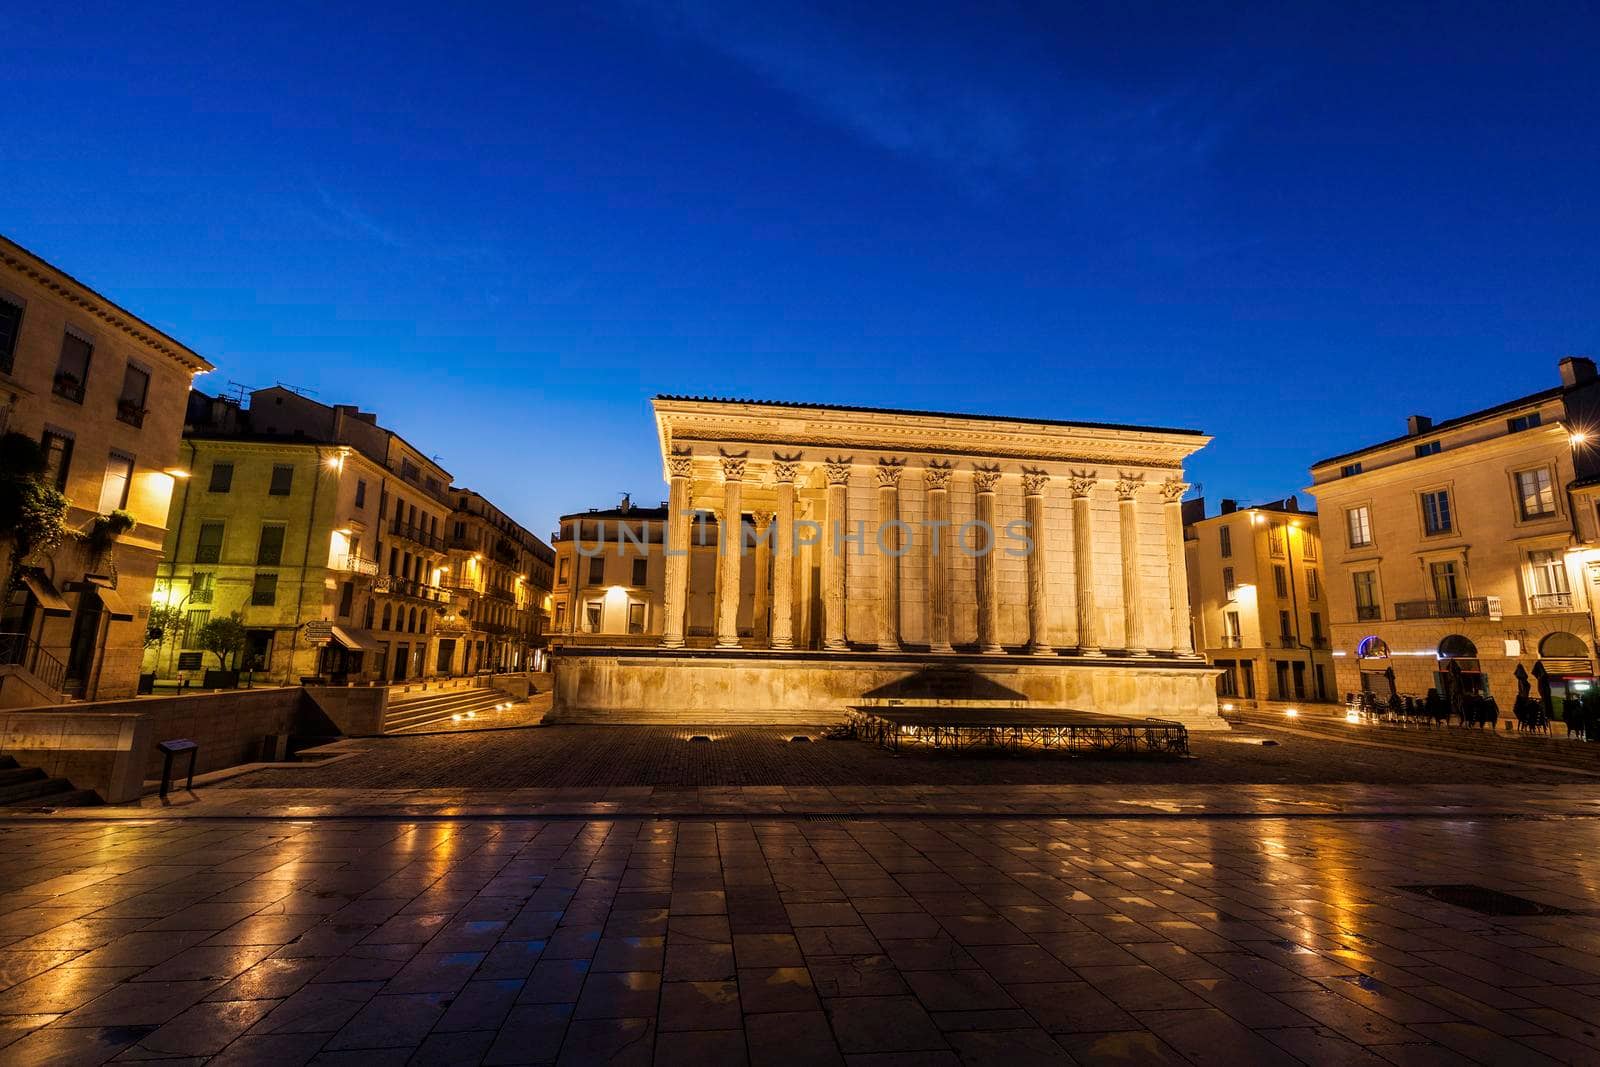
(99, 750)
(694, 686)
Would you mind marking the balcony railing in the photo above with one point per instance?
(359, 565)
(1317, 641)
(1232, 641)
(16, 650)
(1548, 603)
(1369, 612)
(202, 596)
(1459, 608)
(397, 586)
(417, 535)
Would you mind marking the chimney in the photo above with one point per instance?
(1418, 424)
(1576, 371)
(1229, 506)
(1291, 503)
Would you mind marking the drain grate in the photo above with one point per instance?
(1482, 900)
(831, 816)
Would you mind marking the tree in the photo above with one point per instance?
(165, 624)
(32, 513)
(223, 637)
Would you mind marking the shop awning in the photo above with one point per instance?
(357, 640)
(115, 606)
(46, 595)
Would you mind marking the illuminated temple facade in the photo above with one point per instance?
(838, 592)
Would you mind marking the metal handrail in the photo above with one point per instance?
(1458, 608)
(18, 650)
(1541, 603)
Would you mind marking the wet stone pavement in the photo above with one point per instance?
(767, 941)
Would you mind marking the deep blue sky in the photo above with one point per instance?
(503, 230)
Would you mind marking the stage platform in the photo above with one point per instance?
(963, 727)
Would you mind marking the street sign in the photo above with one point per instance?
(319, 631)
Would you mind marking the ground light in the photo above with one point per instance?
(1227, 707)
(1352, 716)
(1292, 713)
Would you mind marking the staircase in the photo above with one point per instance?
(417, 710)
(32, 788)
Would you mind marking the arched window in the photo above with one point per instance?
(1457, 647)
(1372, 647)
(1562, 645)
(424, 622)
(372, 608)
(388, 615)
(411, 625)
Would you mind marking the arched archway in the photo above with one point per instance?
(1562, 645)
(1458, 654)
(1457, 647)
(1372, 647)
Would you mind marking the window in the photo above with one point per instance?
(561, 616)
(597, 570)
(1285, 630)
(1308, 544)
(1522, 422)
(641, 570)
(282, 479)
(1280, 580)
(1316, 627)
(593, 613)
(192, 624)
(269, 553)
(1535, 496)
(10, 326)
(1549, 569)
(1358, 521)
(135, 391)
(1275, 539)
(221, 478)
(361, 492)
(1349, 470)
(635, 617)
(114, 490)
(202, 587)
(72, 371)
(1232, 635)
(1443, 576)
(1436, 512)
(347, 599)
(1366, 584)
(57, 459)
(1228, 589)
(264, 592)
(1225, 539)
(1431, 448)
(388, 616)
(1313, 584)
(208, 548)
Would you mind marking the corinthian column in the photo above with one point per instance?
(1033, 483)
(1177, 574)
(984, 481)
(889, 554)
(936, 479)
(783, 472)
(731, 551)
(679, 466)
(1081, 485)
(760, 617)
(1132, 591)
(838, 474)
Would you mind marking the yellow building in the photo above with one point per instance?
(611, 573)
(1468, 541)
(1257, 596)
(500, 577)
(325, 532)
(103, 393)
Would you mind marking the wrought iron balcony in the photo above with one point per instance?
(1458, 608)
(359, 565)
(417, 535)
(1550, 603)
(1369, 612)
(1232, 641)
(397, 586)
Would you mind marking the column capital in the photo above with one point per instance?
(1034, 481)
(1081, 483)
(889, 471)
(733, 466)
(761, 520)
(680, 464)
(984, 479)
(785, 469)
(1172, 490)
(936, 475)
(837, 470)
(1128, 484)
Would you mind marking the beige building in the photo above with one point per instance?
(500, 577)
(1058, 574)
(1471, 540)
(103, 393)
(1257, 596)
(323, 530)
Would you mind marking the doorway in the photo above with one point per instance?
(85, 639)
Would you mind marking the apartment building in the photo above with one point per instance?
(500, 577)
(1469, 542)
(1258, 601)
(97, 396)
(322, 530)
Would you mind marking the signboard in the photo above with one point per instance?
(319, 631)
(189, 661)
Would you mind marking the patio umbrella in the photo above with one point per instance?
(1523, 685)
(1543, 677)
(1457, 696)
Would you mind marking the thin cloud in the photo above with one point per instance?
(349, 220)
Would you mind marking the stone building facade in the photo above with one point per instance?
(1259, 602)
(500, 577)
(842, 590)
(325, 531)
(104, 393)
(1470, 540)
